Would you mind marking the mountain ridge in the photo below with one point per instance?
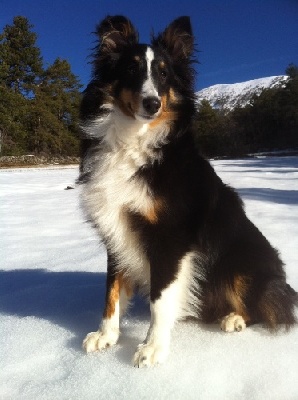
(228, 96)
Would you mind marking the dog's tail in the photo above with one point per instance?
(277, 305)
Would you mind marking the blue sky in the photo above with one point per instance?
(237, 40)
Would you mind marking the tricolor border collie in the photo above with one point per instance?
(172, 228)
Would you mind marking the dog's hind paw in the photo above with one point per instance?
(95, 341)
(232, 323)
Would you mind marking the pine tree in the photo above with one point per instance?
(208, 130)
(292, 71)
(54, 116)
(60, 89)
(39, 111)
(20, 59)
(13, 133)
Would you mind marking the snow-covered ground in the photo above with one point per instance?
(52, 281)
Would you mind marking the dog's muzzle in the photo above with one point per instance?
(151, 105)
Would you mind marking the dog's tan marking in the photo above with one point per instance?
(114, 294)
(268, 313)
(127, 286)
(166, 115)
(173, 97)
(161, 64)
(112, 298)
(129, 102)
(153, 212)
(235, 295)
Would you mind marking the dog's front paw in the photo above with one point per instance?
(148, 355)
(233, 322)
(95, 341)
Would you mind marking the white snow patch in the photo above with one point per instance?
(52, 284)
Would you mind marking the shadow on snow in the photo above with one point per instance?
(270, 195)
(73, 300)
(282, 164)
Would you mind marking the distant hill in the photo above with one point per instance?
(228, 96)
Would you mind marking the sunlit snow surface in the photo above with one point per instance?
(52, 284)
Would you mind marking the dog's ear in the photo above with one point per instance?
(114, 34)
(177, 39)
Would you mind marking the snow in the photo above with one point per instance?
(228, 96)
(52, 283)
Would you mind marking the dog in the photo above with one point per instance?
(172, 229)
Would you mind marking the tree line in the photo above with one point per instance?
(39, 107)
(269, 122)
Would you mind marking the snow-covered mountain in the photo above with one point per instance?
(228, 96)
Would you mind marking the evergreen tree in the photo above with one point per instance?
(57, 101)
(60, 90)
(215, 132)
(20, 59)
(268, 122)
(292, 71)
(13, 133)
(39, 107)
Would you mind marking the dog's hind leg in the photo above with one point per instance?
(235, 294)
(271, 303)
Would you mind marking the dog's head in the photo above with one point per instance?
(146, 82)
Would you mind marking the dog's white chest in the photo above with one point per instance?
(111, 193)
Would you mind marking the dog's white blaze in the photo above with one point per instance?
(148, 88)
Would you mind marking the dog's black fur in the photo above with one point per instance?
(235, 267)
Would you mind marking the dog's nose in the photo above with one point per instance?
(151, 105)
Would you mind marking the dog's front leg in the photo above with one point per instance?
(164, 311)
(118, 293)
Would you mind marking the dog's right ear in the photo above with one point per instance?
(177, 39)
(114, 34)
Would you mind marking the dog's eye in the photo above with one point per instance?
(163, 74)
(132, 69)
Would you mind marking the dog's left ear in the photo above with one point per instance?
(177, 39)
